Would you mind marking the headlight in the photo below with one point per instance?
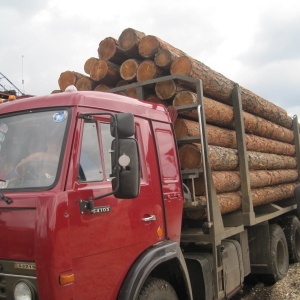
(23, 291)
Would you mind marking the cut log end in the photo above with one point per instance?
(181, 66)
(129, 40)
(164, 58)
(98, 70)
(128, 69)
(84, 84)
(147, 70)
(89, 63)
(102, 87)
(148, 46)
(68, 78)
(165, 89)
(107, 48)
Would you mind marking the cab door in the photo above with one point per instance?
(105, 244)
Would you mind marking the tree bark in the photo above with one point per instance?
(68, 78)
(128, 69)
(229, 202)
(218, 136)
(226, 159)
(105, 72)
(230, 181)
(129, 41)
(88, 64)
(220, 114)
(109, 49)
(148, 70)
(220, 88)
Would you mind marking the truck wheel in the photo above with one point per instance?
(157, 289)
(291, 228)
(279, 255)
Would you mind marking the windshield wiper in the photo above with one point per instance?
(7, 200)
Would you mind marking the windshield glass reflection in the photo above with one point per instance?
(30, 148)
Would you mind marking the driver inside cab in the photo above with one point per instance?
(38, 158)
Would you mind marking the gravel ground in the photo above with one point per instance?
(287, 288)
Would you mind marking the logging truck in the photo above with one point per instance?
(99, 201)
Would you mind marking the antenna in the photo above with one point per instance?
(23, 73)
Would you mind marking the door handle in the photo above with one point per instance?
(149, 218)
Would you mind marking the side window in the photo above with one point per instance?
(90, 166)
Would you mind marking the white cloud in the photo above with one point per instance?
(254, 43)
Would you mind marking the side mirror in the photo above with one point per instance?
(122, 125)
(125, 157)
(126, 172)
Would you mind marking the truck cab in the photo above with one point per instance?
(81, 204)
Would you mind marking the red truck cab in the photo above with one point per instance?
(91, 198)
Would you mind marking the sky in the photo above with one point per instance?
(254, 43)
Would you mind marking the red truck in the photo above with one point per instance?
(92, 202)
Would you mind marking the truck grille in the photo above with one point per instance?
(13, 271)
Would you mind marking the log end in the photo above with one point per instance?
(129, 38)
(128, 69)
(107, 48)
(102, 87)
(65, 79)
(163, 58)
(84, 84)
(181, 66)
(165, 89)
(184, 98)
(99, 70)
(146, 70)
(88, 64)
(149, 46)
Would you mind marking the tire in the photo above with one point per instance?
(279, 256)
(291, 228)
(157, 289)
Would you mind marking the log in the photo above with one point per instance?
(129, 41)
(151, 45)
(148, 70)
(128, 69)
(227, 138)
(132, 92)
(222, 115)
(165, 57)
(167, 89)
(230, 181)
(226, 159)
(68, 78)
(230, 202)
(88, 64)
(85, 84)
(105, 72)
(109, 49)
(102, 87)
(153, 99)
(220, 88)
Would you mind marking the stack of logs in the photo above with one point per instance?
(136, 57)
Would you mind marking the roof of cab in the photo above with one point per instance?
(102, 100)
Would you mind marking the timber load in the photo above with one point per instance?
(268, 130)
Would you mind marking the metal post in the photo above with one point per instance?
(247, 205)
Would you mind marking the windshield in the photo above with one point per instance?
(30, 148)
